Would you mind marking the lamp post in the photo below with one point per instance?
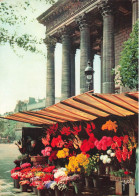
(89, 75)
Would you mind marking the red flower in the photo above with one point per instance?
(49, 169)
(53, 156)
(57, 142)
(77, 130)
(113, 146)
(48, 177)
(86, 145)
(119, 155)
(92, 137)
(125, 139)
(69, 144)
(88, 129)
(66, 131)
(52, 129)
(93, 125)
(126, 172)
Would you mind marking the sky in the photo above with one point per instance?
(24, 77)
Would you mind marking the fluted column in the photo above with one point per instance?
(73, 51)
(50, 77)
(108, 46)
(84, 50)
(135, 11)
(66, 65)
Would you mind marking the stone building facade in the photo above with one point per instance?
(93, 26)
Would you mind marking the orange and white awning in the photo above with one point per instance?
(85, 107)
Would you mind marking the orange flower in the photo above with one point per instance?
(109, 125)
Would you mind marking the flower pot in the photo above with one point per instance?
(24, 187)
(16, 183)
(35, 190)
(42, 192)
(58, 192)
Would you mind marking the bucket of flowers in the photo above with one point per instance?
(24, 184)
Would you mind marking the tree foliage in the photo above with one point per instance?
(13, 16)
(129, 61)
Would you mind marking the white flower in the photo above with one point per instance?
(105, 157)
(104, 161)
(109, 151)
(101, 157)
(112, 154)
(59, 173)
(108, 160)
(52, 186)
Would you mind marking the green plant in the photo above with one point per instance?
(121, 173)
(92, 165)
(129, 61)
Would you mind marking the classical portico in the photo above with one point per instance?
(94, 27)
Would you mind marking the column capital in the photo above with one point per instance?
(50, 41)
(65, 30)
(106, 7)
(82, 21)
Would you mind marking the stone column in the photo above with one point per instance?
(66, 65)
(73, 51)
(135, 11)
(50, 77)
(84, 50)
(108, 46)
(92, 64)
(101, 61)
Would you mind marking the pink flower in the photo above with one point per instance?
(104, 147)
(24, 165)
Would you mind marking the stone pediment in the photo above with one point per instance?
(64, 13)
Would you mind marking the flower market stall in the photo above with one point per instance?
(89, 141)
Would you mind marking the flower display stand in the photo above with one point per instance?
(16, 183)
(38, 160)
(121, 182)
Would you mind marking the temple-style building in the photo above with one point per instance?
(93, 26)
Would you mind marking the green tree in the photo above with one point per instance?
(12, 16)
(129, 61)
(1, 126)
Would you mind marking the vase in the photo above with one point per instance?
(42, 192)
(16, 183)
(95, 182)
(24, 187)
(87, 182)
(107, 170)
(35, 190)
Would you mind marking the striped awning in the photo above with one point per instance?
(85, 107)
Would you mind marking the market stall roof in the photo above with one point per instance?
(84, 107)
